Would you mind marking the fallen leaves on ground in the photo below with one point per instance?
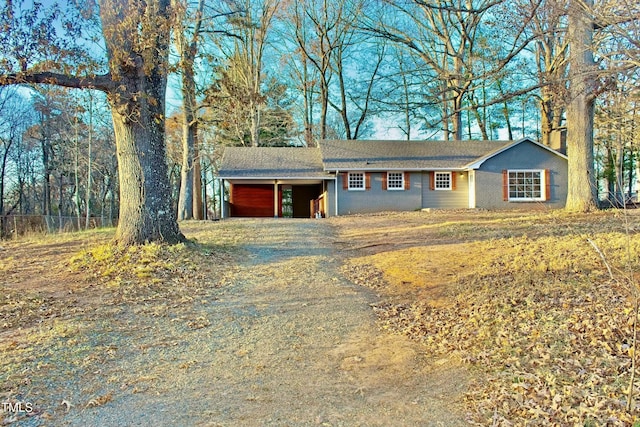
(79, 323)
(539, 318)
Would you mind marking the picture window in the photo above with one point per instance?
(526, 185)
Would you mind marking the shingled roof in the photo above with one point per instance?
(272, 162)
(350, 155)
(405, 155)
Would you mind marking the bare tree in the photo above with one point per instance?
(322, 31)
(445, 37)
(187, 39)
(250, 28)
(551, 60)
(14, 119)
(355, 100)
(303, 79)
(302, 75)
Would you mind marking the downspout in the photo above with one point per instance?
(221, 196)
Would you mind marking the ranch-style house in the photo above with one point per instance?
(341, 177)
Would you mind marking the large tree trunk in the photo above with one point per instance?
(582, 191)
(189, 199)
(146, 210)
(581, 196)
(137, 42)
(187, 57)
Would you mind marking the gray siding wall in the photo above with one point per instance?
(378, 200)
(523, 156)
(446, 199)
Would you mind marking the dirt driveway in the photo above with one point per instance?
(287, 342)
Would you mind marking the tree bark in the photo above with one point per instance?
(582, 191)
(146, 211)
(137, 42)
(254, 128)
(185, 197)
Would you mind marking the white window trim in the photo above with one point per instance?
(543, 186)
(364, 181)
(401, 188)
(435, 181)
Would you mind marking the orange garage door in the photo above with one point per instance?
(252, 200)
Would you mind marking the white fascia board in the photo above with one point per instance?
(462, 168)
(279, 178)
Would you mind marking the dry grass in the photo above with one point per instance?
(72, 302)
(97, 335)
(525, 300)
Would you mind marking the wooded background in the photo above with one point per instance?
(291, 72)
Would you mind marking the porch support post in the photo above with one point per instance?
(221, 197)
(335, 189)
(275, 199)
(471, 185)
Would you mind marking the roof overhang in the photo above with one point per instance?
(276, 180)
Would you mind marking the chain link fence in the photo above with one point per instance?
(18, 225)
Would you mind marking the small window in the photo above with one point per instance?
(442, 181)
(395, 181)
(526, 185)
(356, 181)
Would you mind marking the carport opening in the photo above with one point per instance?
(301, 198)
(294, 200)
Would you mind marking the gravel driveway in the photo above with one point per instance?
(289, 342)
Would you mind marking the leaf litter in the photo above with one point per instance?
(252, 326)
(533, 312)
(521, 299)
(66, 319)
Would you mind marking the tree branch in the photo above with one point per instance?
(102, 82)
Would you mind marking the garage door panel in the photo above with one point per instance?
(252, 200)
